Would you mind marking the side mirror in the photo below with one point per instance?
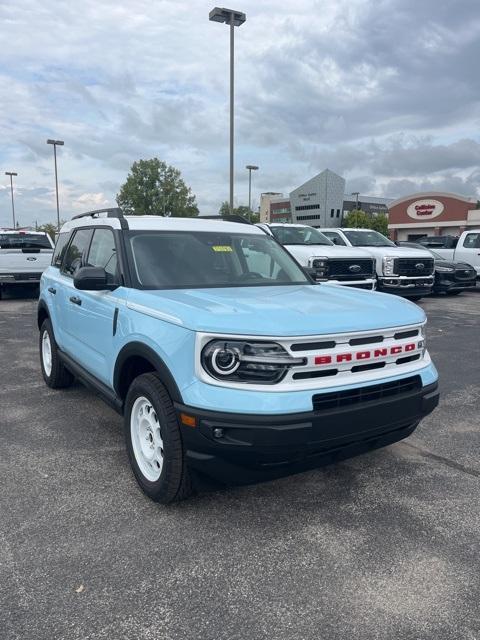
(92, 279)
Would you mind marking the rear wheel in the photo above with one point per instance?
(453, 293)
(54, 373)
(415, 298)
(154, 442)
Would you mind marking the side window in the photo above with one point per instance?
(335, 238)
(472, 241)
(76, 252)
(59, 250)
(103, 252)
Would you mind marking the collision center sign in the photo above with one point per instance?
(425, 209)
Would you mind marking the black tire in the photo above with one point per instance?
(453, 293)
(174, 483)
(59, 376)
(415, 298)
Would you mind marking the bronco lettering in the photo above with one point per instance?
(367, 355)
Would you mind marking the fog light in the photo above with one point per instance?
(218, 433)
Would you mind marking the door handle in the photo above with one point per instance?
(76, 300)
(52, 290)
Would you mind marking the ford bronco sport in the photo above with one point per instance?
(235, 371)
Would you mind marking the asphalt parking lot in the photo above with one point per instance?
(383, 546)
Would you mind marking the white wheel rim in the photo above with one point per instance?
(146, 438)
(46, 353)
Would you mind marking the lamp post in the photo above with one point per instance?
(55, 143)
(250, 168)
(233, 19)
(11, 174)
(356, 194)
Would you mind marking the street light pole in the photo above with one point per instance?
(356, 194)
(233, 19)
(11, 174)
(55, 143)
(250, 167)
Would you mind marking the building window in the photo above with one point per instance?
(307, 207)
(332, 213)
(338, 213)
(314, 217)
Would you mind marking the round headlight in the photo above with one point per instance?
(224, 360)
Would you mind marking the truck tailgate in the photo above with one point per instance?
(24, 260)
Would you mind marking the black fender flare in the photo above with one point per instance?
(146, 352)
(42, 308)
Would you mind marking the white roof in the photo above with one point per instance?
(23, 232)
(160, 223)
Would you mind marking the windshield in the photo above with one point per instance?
(368, 239)
(299, 235)
(24, 241)
(187, 259)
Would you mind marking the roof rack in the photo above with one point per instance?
(227, 218)
(113, 212)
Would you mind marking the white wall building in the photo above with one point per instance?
(319, 201)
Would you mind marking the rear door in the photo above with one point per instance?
(68, 298)
(468, 249)
(93, 316)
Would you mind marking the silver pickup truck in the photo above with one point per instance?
(24, 256)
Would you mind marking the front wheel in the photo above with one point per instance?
(154, 442)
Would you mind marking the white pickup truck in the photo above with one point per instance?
(24, 256)
(467, 249)
(401, 270)
(347, 266)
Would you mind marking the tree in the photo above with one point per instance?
(50, 228)
(241, 210)
(155, 188)
(361, 220)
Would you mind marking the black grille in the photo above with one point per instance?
(339, 399)
(345, 269)
(465, 274)
(414, 267)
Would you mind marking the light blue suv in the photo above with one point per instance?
(222, 354)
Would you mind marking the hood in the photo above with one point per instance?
(294, 310)
(303, 252)
(398, 252)
(462, 266)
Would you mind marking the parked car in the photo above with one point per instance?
(328, 262)
(438, 242)
(218, 367)
(401, 270)
(450, 277)
(24, 255)
(467, 249)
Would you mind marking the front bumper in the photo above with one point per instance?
(447, 282)
(242, 448)
(405, 286)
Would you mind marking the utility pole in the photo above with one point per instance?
(11, 174)
(55, 143)
(233, 19)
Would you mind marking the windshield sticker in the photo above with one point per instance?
(222, 248)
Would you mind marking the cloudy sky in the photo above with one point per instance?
(385, 92)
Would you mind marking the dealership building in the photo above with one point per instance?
(319, 202)
(432, 214)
